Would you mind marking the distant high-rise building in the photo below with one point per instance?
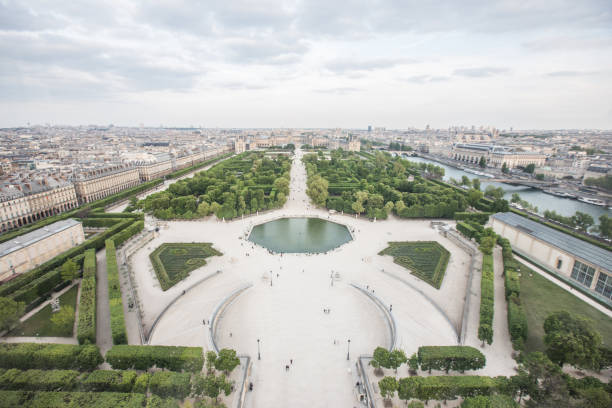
(369, 128)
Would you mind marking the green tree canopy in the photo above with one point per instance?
(571, 339)
(10, 312)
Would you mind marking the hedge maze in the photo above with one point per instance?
(426, 260)
(174, 261)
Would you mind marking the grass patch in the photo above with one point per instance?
(40, 325)
(426, 260)
(542, 297)
(174, 262)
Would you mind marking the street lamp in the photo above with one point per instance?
(258, 353)
(348, 349)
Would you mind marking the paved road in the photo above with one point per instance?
(104, 338)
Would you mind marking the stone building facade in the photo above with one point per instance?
(573, 260)
(95, 184)
(495, 156)
(30, 250)
(23, 202)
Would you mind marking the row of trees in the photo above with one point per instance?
(376, 185)
(242, 185)
(538, 383)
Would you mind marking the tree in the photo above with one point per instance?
(505, 168)
(388, 386)
(69, 270)
(317, 190)
(476, 183)
(516, 198)
(64, 319)
(530, 168)
(465, 181)
(281, 184)
(474, 196)
(571, 339)
(226, 360)
(487, 244)
(380, 359)
(389, 207)
(396, 359)
(10, 312)
(583, 220)
(494, 192)
(211, 357)
(482, 162)
(545, 384)
(360, 197)
(605, 226)
(203, 209)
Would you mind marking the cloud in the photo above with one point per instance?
(570, 73)
(347, 65)
(423, 79)
(479, 72)
(338, 90)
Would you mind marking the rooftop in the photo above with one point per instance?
(30, 238)
(577, 247)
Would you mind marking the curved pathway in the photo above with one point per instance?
(287, 316)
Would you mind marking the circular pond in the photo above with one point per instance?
(302, 235)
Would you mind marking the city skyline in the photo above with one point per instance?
(308, 65)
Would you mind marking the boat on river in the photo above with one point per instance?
(594, 201)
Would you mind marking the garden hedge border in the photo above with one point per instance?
(86, 326)
(487, 295)
(117, 318)
(49, 356)
(174, 358)
(456, 358)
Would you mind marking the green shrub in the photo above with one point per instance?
(39, 380)
(456, 358)
(110, 380)
(43, 399)
(141, 384)
(479, 217)
(170, 384)
(487, 294)
(517, 321)
(155, 401)
(489, 401)
(86, 327)
(49, 356)
(444, 387)
(144, 357)
(117, 318)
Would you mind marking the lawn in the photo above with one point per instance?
(40, 323)
(542, 297)
(174, 262)
(426, 260)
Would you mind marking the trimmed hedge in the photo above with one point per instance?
(122, 236)
(456, 358)
(39, 380)
(467, 230)
(49, 356)
(489, 401)
(100, 222)
(144, 357)
(444, 387)
(517, 318)
(86, 326)
(170, 384)
(117, 318)
(110, 380)
(480, 217)
(43, 399)
(487, 294)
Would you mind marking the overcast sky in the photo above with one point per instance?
(322, 63)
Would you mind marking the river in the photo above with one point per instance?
(563, 206)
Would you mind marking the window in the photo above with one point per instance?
(604, 285)
(559, 263)
(583, 274)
